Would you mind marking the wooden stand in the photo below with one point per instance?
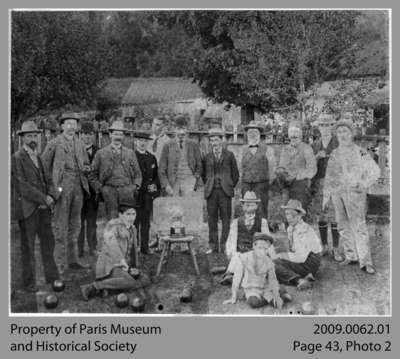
(168, 241)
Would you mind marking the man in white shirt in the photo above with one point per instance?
(301, 263)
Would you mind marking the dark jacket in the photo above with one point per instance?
(91, 157)
(229, 172)
(322, 163)
(30, 187)
(103, 164)
(148, 167)
(169, 161)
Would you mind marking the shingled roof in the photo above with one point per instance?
(145, 91)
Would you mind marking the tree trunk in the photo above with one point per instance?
(246, 114)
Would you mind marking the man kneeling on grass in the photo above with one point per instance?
(301, 263)
(118, 256)
(255, 273)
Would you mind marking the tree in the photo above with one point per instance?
(57, 59)
(266, 59)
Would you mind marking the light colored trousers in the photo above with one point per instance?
(350, 211)
(67, 222)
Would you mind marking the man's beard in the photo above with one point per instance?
(32, 145)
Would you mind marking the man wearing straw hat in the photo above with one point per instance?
(299, 265)
(220, 176)
(349, 174)
(66, 159)
(35, 199)
(115, 171)
(258, 162)
(242, 230)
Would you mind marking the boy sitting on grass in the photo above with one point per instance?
(255, 273)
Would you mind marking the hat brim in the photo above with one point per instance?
(270, 239)
(215, 135)
(142, 137)
(22, 132)
(250, 200)
(63, 119)
(302, 211)
(259, 128)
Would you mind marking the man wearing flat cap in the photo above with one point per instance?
(35, 198)
(349, 174)
(115, 171)
(90, 203)
(220, 176)
(149, 189)
(258, 164)
(66, 159)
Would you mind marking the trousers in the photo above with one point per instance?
(88, 225)
(120, 279)
(350, 211)
(38, 223)
(287, 272)
(219, 205)
(67, 221)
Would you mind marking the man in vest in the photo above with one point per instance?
(241, 233)
(297, 167)
(90, 203)
(258, 162)
(220, 176)
(66, 159)
(180, 163)
(35, 199)
(115, 171)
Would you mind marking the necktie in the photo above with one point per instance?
(181, 145)
(253, 146)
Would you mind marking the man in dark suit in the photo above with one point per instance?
(148, 191)
(35, 196)
(90, 203)
(220, 176)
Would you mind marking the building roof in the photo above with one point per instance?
(145, 91)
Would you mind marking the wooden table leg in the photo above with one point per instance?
(160, 263)
(196, 267)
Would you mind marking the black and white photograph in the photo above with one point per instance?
(200, 162)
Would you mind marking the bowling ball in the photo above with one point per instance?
(121, 300)
(51, 301)
(135, 273)
(137, 304)
(307, 308)
(186, 296)
(58, 285)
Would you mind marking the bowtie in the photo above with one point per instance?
(253, 146)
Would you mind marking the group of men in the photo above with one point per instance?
(58, 192)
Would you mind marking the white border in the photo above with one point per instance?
(71, 315)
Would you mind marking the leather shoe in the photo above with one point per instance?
(227, 279)
(369, 269)
(304, 284)
(88, 291)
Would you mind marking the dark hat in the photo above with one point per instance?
(127, 203)
(87, 126)
(181, 121)
(259, 236)
(253, 124)
(215, 132)
(28, 127)
(144, 135)
(69, 116)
